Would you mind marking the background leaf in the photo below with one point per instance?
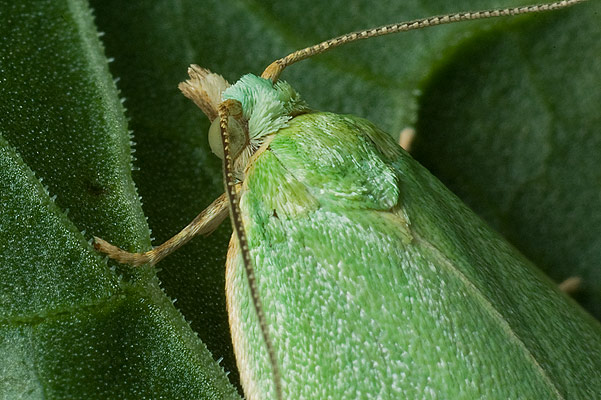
(520, 143)
(50, 59)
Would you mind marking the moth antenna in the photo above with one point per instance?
(274, 69)
(226, 109)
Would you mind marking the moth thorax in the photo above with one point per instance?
(237, 137)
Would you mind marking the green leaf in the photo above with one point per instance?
(70, 326)
(520, 142)
(61, 114)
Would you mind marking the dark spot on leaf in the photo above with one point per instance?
(96, 189)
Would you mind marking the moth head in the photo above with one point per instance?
(206, 88)
(255, 109)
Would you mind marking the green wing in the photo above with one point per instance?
(378, 283)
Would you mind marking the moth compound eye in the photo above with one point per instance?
(237, 137)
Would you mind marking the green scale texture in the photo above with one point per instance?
(378, 283)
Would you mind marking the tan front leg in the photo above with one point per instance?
(205, 223)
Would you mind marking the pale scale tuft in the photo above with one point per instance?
(266, 106)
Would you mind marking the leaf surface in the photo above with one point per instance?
(520, 143)
(70, 325)
(63, 124)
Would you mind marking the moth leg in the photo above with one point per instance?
(406, 138)
(571, 285)
(205, 223)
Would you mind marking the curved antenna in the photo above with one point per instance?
(226, 109)
(274, 69)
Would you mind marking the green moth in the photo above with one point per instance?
(353, 273)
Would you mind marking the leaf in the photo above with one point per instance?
(153, 42)
(520, 143)
(70, 326)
